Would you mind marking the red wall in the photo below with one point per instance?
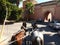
(57, 14)
(40, 10)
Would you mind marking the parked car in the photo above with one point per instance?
(54, 24)
(39, 21)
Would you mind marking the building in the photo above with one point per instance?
(46, 11)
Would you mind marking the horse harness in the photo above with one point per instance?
(29, 36)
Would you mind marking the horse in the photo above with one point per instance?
(18, 38)
(37, 38)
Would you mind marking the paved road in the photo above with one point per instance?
(10, 30)
(50, 36)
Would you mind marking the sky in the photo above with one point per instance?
(38, 1)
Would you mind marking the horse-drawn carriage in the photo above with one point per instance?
(23, 37)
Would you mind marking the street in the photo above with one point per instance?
(50, 36)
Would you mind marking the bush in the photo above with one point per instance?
(19, 15)
(16, 14)
(19, 18)
(2, 11)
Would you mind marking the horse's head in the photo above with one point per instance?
(34, 25)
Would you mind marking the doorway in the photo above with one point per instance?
(47, 16)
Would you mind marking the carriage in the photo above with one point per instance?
(23, 37)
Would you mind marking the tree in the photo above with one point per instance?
(6, 9)
(29, 8)
(2, 10)
(15, 2)
(16, 14)
(10, 9)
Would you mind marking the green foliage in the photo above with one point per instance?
(30, 7)
(13, 11)
(2, 10)
(16, 14)
(59, 1)
(14, 1)
(19, 15)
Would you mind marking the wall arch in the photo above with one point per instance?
(47, 16)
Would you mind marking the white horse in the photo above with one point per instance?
(37, 38)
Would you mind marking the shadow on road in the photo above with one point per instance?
(7, 23)
(51, 40)
(47, 29)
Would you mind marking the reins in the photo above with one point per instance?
(21, 38)
(18, 39)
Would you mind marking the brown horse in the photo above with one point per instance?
(19, 37)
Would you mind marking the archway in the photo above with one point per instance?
(48, 16)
